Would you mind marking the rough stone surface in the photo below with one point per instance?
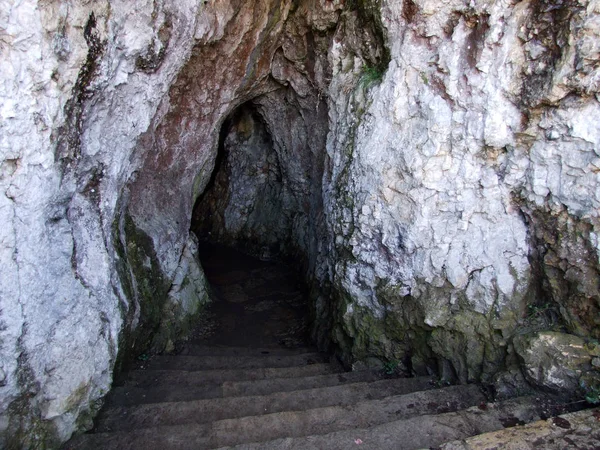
(463, 186)
(558, 361)
(439, 179)
(74, 103)
(575, 430)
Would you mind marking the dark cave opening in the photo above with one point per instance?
(244, 221)
(256, 304)
(246, 205)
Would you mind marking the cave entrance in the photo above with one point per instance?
(244, 221)
(246, 204)
(257, 304)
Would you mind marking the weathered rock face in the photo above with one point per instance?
(559, 362)
(74, 102)
(110, 122)
(463, 194)
(435, 165)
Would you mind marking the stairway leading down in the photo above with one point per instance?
(227, 397)
(249, 386)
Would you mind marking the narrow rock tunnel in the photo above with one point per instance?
(249, 205)
(237, 160)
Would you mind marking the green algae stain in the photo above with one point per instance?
(145, 288)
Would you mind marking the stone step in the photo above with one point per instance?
(316, 429)
(215, 350)
(161, 388)
(185, 377)
(269, 386)
(204, 411)
(154, 386)
(418, 432)
(580, 429)
(124, 396)
(206, 362)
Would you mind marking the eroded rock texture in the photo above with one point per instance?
(434, 165)
(463, 193)
(74, 103)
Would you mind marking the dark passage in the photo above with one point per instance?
(254, 203)
(247, 204)
(255, 303)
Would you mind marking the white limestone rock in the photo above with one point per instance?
(441, 157)
(61, 301)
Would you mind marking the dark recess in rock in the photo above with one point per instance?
(247, 183)
(479, 24)
(409, 10)
(68, 138)
(549, 26)
(567, 286)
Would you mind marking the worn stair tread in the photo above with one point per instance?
(194, 363)
(417, 432)
(580, 429)
(162, 389)
(185, 377)
(218, 350)
(171, 387)
(268, 386)
(151, 386)
(127, 396)
(266, 432)
(346, 398)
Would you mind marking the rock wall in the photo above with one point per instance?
(438, 173)
(463, 195)
(111, 113)
(77, 91)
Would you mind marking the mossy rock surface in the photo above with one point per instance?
(559, 362)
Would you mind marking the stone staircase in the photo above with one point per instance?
(275, 398)
(241, 386)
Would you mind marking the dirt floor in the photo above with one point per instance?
(255, 303)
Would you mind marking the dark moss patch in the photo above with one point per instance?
(145, 287)
(370, 76)
(398, 338)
